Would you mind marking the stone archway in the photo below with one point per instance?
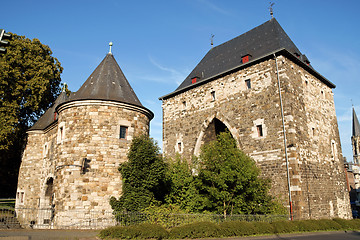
(212, 127)
(46, 205)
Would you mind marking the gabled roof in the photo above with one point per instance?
(107, 82)
(260, 42)
(355, 125)
(49, 116)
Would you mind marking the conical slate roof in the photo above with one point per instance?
(107, 82)
(257, 43)
(355, 125)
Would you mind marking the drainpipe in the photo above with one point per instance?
(285, 145)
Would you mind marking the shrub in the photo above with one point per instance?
(196, 230)
(308, 225)
(328, 225)
(263, 227)
(348, 224)
(141, 231)
(237, 228)
(284, 226)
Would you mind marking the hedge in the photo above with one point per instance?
(226, 229)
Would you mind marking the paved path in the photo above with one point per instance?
(26, 234)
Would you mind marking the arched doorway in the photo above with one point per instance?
(211, 129)
(46, 210)
(214, 128)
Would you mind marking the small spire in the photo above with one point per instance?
(271, 9)
(64, 87)
(212, 40)
(110, 45)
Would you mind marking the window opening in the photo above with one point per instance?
(259, 130)
(184, 104)
(248, 83)
(355, 148)
(213, 97)
(179, 146)
(123, 132)
(61, 133)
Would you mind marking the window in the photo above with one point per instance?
(179, 147)
(184, 105)
(193, 80)
(20, 197)
(259, 130)
(123, 132)
(213, 96)
(248, 83)
(313, 131)
(61, 132)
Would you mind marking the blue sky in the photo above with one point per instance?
(157, 43)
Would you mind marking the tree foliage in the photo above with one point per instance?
(182, 189)
(29, 84)
(143, 175)
(229, 180)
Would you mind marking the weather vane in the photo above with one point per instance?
(212, 40)
(271, 9)
(110, 44)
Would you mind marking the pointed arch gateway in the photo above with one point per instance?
(211, 128)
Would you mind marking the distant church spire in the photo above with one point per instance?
(355, 125)
(355, 138)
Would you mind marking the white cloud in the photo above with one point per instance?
(214, 7)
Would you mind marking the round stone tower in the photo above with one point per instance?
(95, 129)
(70, 165)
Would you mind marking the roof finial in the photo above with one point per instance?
(212, 40)
(271, 9)
(110, 44)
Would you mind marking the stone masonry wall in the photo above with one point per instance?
(91, 131)
(52, 173)
(187, 116)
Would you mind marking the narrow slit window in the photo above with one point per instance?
(179, 146)
(213, 96)
(123, 132)
(260, 130)
(184, 104)
(248, 83)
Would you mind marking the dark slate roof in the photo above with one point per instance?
(355, 125)
(259, 42)
(49, 116)
(107, 82)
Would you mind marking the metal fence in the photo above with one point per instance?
(82, 219)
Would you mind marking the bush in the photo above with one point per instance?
(309, 225)
(284, 226)
(327, 225)
(141, 231)
(263, 227)
(237, 228)
(348, 224)
(196, 230)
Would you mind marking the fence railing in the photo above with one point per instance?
(48, 218)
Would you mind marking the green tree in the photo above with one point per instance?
(229, 180)
(182, 188)
(29, 84)
(143, 175)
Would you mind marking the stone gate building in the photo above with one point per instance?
(236, 87)
(69, 168)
